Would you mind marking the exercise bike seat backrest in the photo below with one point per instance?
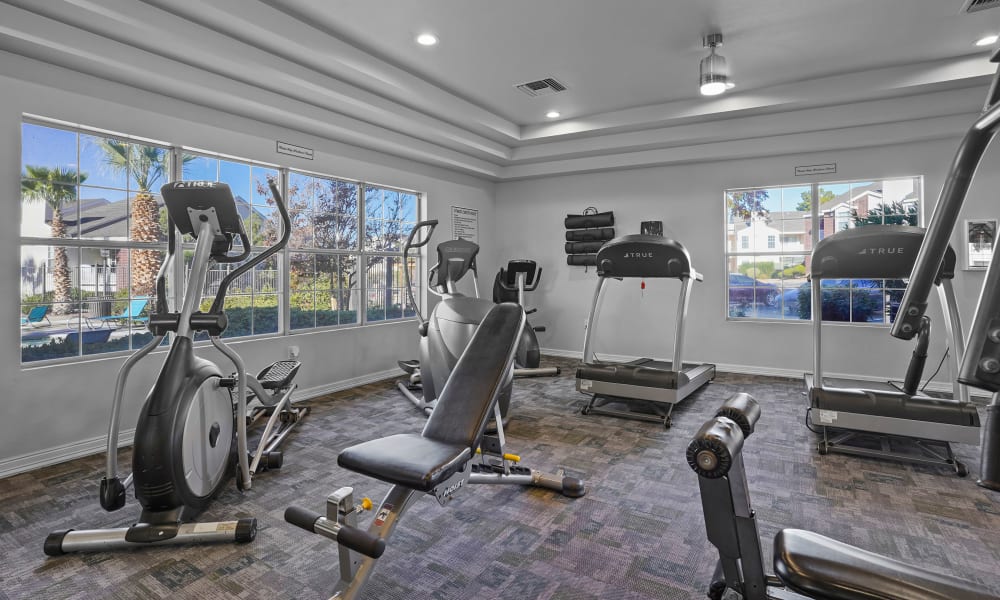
(455, 428)
(505, 283)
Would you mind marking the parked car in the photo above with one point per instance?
(747, 290)
(857, 300)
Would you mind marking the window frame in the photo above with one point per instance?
(816, 220)
(283, 259)
(78, 243)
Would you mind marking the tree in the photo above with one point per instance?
(806, 204)
(54, 186)
(334, 221)
(893, 214)
(747, 204)
(147, 166)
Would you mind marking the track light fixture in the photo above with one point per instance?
(714, 73)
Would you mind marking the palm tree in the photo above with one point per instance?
(147, 166)
(54, 186)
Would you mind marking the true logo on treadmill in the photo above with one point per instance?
(193, 184)
(638, 255)
(882, 251)
(383, 514)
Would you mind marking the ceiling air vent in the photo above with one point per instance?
(544, 87)
(976, 5)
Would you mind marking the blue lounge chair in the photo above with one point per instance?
(131, 313)
(36, 316)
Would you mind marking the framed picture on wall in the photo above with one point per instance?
(980, 236)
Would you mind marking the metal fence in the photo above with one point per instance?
(250, 282)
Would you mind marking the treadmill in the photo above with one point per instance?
(882, 420)
(655, 383)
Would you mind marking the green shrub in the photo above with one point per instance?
(840, 305)
(794, 272)
(757, 270)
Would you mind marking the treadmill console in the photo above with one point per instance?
(874, 252)
(644, 256)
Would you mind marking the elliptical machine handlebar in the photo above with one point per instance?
(432, 223)
(286, 232)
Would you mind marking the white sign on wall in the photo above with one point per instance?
(816, 169)
(465, 224)
(293, 150)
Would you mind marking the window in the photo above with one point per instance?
(91, 240)
(94, 234)
(767, 272)
(324, 285)
(253, 300)
(389, 217)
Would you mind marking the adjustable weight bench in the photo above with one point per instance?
(436, 461)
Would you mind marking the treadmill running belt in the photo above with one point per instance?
(895, 405)
(648, 373)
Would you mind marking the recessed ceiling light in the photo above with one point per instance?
(427, 39)
(987, 41)
(552, 114)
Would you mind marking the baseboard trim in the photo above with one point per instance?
(59, 454)
(95, 445)
(346, 384)
(935, 386)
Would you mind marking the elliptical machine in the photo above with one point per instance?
(192, 429)
(446, 332)
(523, 275)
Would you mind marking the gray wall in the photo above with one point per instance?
(689, 201)
(52, 413)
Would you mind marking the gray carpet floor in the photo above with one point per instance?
(637, 534)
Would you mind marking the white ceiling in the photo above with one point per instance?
(350, 71)
(619, 54)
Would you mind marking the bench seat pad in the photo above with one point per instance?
(406, 459)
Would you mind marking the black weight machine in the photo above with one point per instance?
(981, 362)
(806, 564)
